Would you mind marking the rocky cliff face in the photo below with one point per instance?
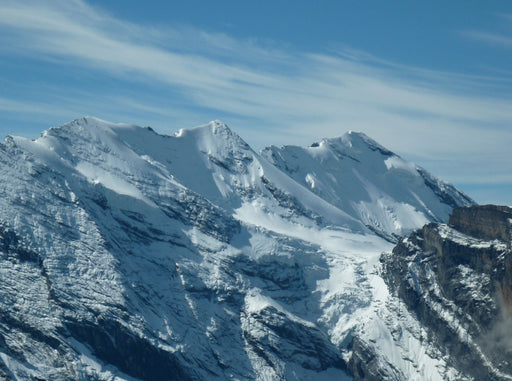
(456, 279)
(486, 222)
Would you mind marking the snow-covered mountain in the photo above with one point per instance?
(356, 174)
(125, 254)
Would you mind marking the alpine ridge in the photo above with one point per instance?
(130, 255)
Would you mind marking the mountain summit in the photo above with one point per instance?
(370, 183)
(130, 255)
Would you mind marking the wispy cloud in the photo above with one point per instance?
(490, 38)
(501, 38)
(26, 107)
(296, 97)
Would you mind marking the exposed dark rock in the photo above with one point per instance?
(459, 287)
(273, 334)
(283, 275)
(114, 344)
(288, 201)
(364, 365)
(4, 372)
(190, 208)
(486, 222)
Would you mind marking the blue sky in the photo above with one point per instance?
(431, 81)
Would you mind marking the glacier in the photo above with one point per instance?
(130, 255)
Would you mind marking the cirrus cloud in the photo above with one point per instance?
(275, 94)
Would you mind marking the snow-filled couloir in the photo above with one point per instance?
(126, 254)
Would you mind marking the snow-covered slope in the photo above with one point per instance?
(369, 182)
(125, 254)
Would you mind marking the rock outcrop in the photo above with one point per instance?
(457, 280)
(486, 222)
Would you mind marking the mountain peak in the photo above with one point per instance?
(355, 136)
(361, 177)
(352, 143)
(213, 127)
(358, 142)
(358, 134)
(91, 121)
(88, 120)
(221, 129)
(90, 127)
(215, 136)
(218, 125)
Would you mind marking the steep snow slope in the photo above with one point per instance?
(370, 183)
(125, 254)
